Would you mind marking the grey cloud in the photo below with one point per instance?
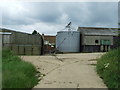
(105, 13)
(33, 12)
(119, 12)
(45, 12)
(81, 14)
(93, 13)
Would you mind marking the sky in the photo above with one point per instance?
(51, 17)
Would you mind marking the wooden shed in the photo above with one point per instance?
(96, 39)
(22, 43)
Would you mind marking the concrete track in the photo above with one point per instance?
(67, 70)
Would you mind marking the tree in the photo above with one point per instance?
(119, 23)
(34, 32)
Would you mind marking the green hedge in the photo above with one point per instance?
(17, 73)
(108, 68)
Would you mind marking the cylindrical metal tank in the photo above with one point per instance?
(68, 41)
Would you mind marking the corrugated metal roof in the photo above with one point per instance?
(8, 30)
(98, 31)
(7, 33)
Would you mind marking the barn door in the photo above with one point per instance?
(106, 44)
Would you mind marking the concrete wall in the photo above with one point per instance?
(88, 43)
(95, 48)
(90, 40)
(90, 48)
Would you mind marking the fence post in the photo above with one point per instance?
(24, 50)
(18, 49)
(32, 50)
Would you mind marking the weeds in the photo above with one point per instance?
(17, 73)
(108, 68)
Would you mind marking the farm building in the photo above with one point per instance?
(96, 39)
(22, 43)
(49, 43)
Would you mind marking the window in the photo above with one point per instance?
(96, 41)
(105, 42)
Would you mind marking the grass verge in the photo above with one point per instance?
(108, 68)
(17, 73)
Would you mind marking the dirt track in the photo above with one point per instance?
(67, 70)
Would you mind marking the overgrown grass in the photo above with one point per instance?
(108, 68)
(0, 67)
(17, 73)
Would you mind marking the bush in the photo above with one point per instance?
(17, 73)
(108, 68)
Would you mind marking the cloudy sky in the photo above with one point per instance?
(50, 17)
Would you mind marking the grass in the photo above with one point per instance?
(17, 73)
(0, 67)
(108, 68)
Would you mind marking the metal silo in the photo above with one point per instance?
(68, 41)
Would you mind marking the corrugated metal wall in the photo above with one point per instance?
(68, 41)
